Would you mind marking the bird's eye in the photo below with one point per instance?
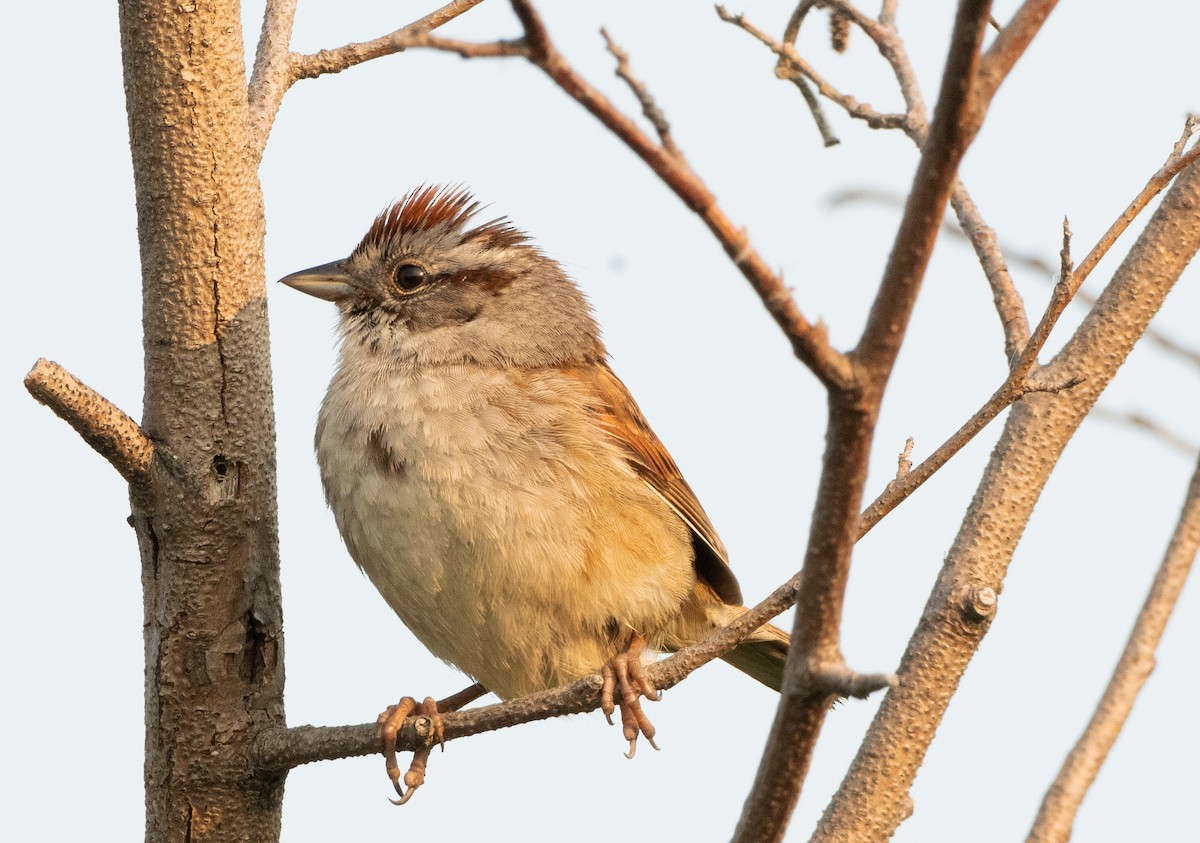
(410, 277)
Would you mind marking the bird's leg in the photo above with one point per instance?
(393, 717)
(625, 673)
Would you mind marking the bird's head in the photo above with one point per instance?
(428, 287)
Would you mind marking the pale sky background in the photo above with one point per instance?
(1087, 116)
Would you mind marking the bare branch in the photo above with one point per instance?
(1065, 266)
(818, 113)
(416, 34)
(1018, 383)
(276, 69)
(649, 108)
(1009, 304)
(839, 30)
(796, 66)
(1057, 813)
(809, 341)
(283, 749)
(1043, 269)
(443, 15)
(873, 798)
(272, 74)
(1010, 45)
(1176, 163)
(904, 460)
(111, 433)
(815, 648)
(900, 489)
(1067, 286)
(955, 122)
(887, 40)
(993, 257)
(343, 58)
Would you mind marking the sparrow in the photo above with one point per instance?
(496, 481)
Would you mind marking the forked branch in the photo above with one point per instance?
(874, 796)
(914, 123)
(852, 414)
(276, 68)
(809, 340)
(1021, 379)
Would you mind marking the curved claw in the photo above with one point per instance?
(625, 672)
(392, 719)
(606, 692)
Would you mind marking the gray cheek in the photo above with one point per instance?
(448, 311)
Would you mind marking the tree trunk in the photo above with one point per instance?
(206, 520)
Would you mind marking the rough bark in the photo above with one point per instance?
(873, 798)
(206, 515)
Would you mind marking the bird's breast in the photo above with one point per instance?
(504, 528)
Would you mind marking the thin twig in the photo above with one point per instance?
(873, 798)
(887, 40)
(415, 34)
(792, 31)
(443, 15)
(818, 113)
(796, 65)
(900, 489)
(1042, 269)
(1176, 162)
(276, 69)
(1010, 307)
(994, 258)
(649, 107)
(838, 24)
(1057, 813)
(810, 341)
(815, 644)
(955, 123)
(887, 12)
(1065, 265)
(1066, 287)
(111, 433)
(350, 55)
(1008, 302)
(1018, 382)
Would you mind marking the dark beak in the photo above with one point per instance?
(328, 281)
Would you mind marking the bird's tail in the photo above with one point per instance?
(762, 656)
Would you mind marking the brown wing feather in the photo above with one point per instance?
(618, 415)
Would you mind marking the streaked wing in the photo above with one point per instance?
(618, 415)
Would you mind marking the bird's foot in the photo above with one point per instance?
(626, 675)
(393, 717)
(390, 721)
